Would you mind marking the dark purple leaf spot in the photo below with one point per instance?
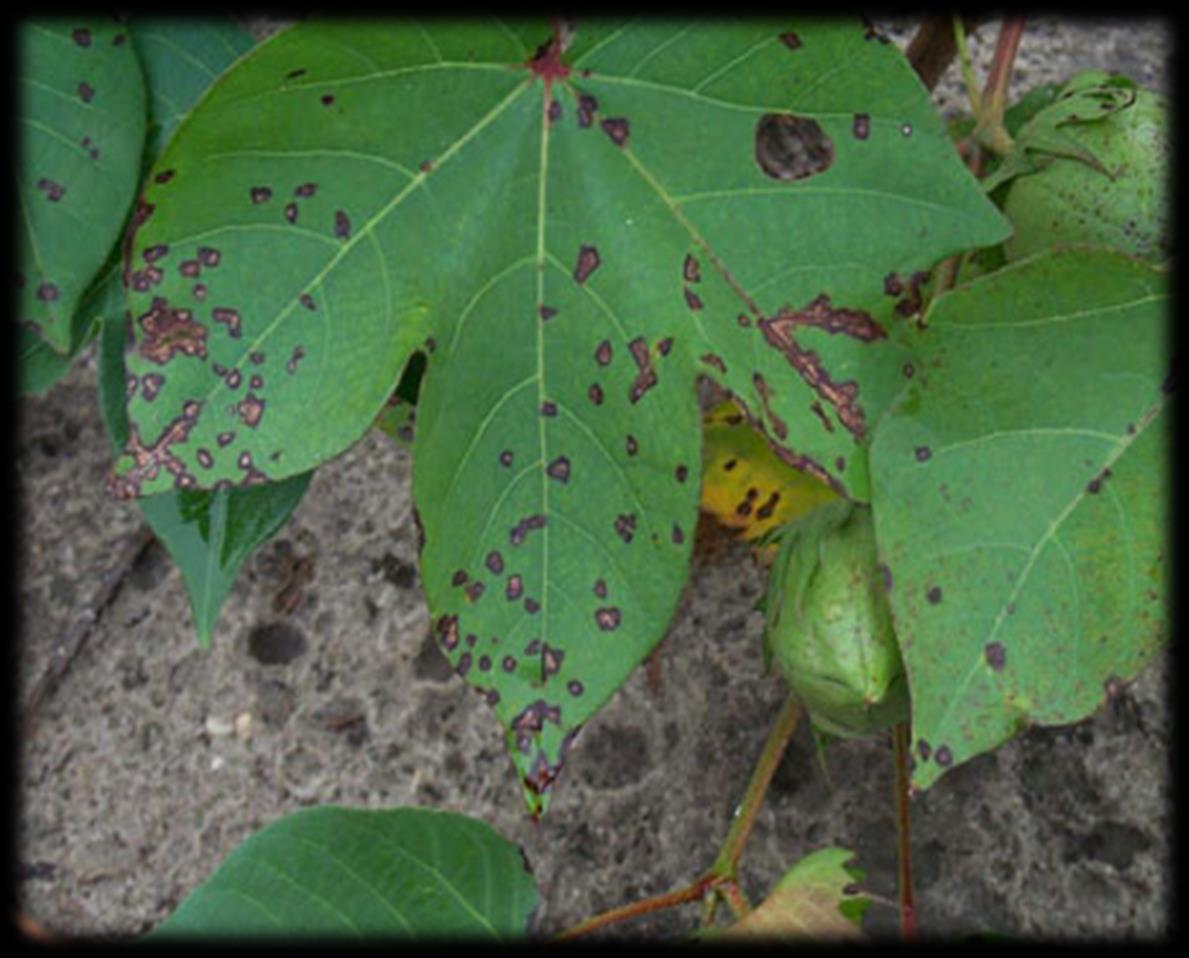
(908, 370)
(678, 535)
(691, 271)
(306, 189)
(607, 618)
(862, 125)
(595, 392)
(934, 595)
(506, 458)
(632, 446)
(924, 749)
(297, 356)
(681, 472)
(692, 299)
(164, 176)
(342, 225)
(234, 379)
(256, 358)
(559, 469)
(602, 353)
(154, 253)
(459, 578)
(475, 590)
(47, 292)
(587, 263)
(294, 74)
(646, 378)
(85, 91)
(554, 109)
(53, 191)
(944, 757)
(892, 285)
(600, 588)
(906, 130)
(665, 346)
(574, 687)
(495, 562)
(922, 453)
(205, 459)
(190, 268)
(327, 99)
(996, 655)
(250, 410)
(291, 212)
(625, 526)
(509, 663)
(81, 36)
(307, 301)
(617, 129)
(546, 313)
(229, 318)
(531, 606)
(548, 408)
(485, 663)
(151, 386)
(789, 147)
(209, 256)
(587, 106)
(464, 664)
(225, 439)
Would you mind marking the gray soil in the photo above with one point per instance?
(152, 759)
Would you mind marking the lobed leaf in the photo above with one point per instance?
(357, 873)
(1021, 500)
(572, 235)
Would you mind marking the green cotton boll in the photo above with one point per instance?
(829, 627)
(1069, 201)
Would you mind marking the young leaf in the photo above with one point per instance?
(356, 873)
(81, 113)
(572, 235)
(815, 899)
(1021, 500)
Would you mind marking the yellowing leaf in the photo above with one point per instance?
(815, 899)
(745, 485)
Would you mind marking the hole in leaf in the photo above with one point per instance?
(409, 385)
(792, 147)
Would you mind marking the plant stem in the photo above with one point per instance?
(967, 67)
(990, 130)
(634, 909)
(908, 920)
(779, 735)
(720, 877)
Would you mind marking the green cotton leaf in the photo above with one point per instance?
(81, 121)
(358, 873)
(817, 898)
(208, 533)
(182, 57)
(572, 237)
(1022, 500)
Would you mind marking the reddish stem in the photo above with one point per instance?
(908, 911)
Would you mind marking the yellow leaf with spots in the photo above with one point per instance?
(745, 485)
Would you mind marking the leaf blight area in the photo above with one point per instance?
(569, 271)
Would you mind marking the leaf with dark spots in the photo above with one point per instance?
(792, 147)
(69, 215)
(617, 128)
(1006, 558)
(519, 213)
